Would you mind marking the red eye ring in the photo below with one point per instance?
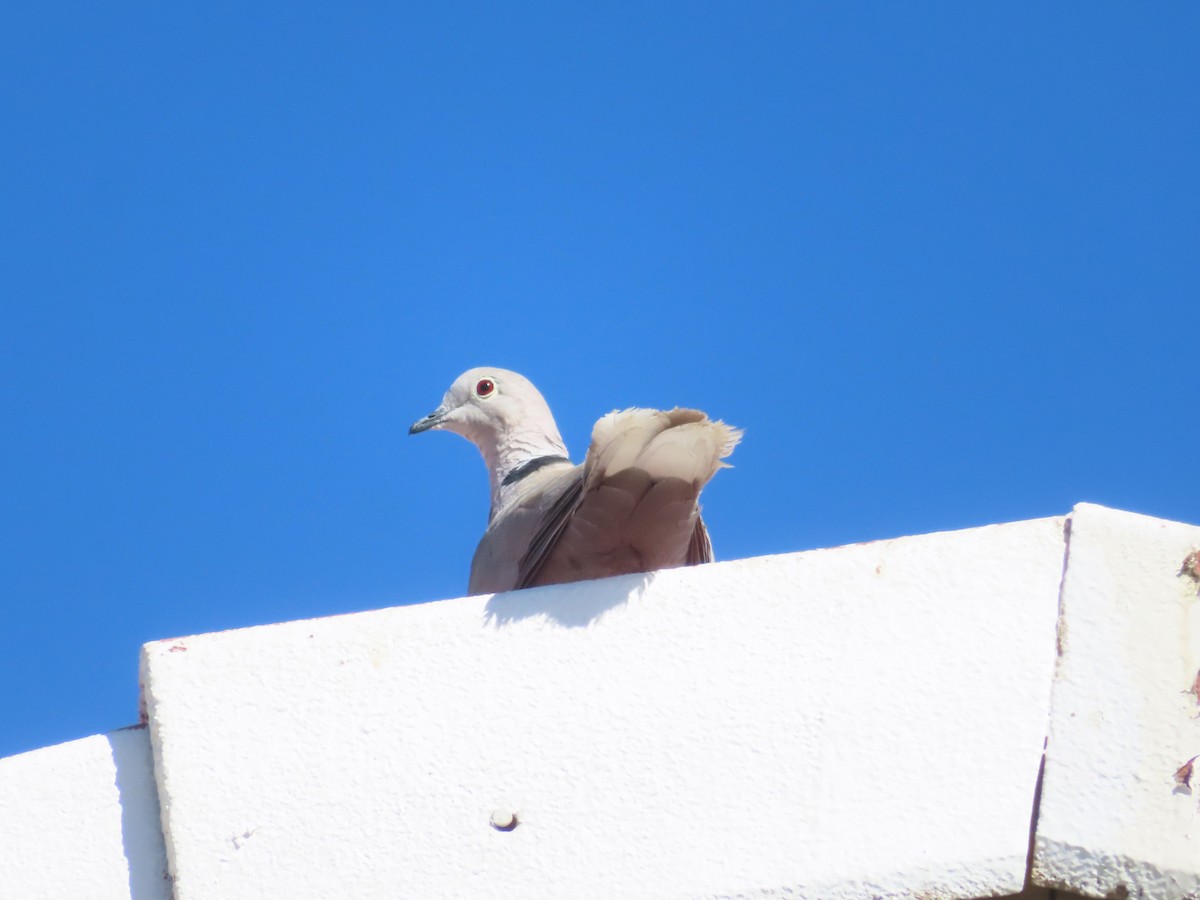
(485, 388)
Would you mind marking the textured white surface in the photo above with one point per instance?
(1112, 816)
(81, 820)
(865, 721)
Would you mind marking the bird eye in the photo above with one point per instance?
(486, 387)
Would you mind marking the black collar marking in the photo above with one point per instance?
(528, 468)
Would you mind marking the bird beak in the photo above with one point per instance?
(433, 420)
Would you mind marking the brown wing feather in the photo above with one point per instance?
(700, 548)
(626, 508)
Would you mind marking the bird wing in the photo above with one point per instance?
(550, 529)
(700, 548)
(525, 529)
(631, 506)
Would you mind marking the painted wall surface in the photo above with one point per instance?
(857, 722)
(861, 721)
(81, 820)
(1116, 817)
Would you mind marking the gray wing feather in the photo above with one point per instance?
(550, 531)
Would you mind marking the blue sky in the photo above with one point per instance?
(939, 260)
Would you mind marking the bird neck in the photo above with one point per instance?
(518, 449)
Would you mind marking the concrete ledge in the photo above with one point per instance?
(864, 721)
(81, 820)
(1114, 818)
(859, 722)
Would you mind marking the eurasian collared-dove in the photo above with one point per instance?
(629, 507)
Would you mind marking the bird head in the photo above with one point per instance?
(495, 408)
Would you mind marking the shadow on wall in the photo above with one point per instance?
(575, 605)
(141, 832)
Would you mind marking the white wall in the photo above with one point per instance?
(866, 721)
(1113, 818)
(81, 820)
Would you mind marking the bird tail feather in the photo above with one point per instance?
(678, 443)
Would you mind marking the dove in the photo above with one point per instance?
(630, 506)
